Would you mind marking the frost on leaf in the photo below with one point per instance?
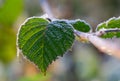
(111, 24)
(42, 41)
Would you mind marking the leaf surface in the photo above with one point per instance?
(80, 25)
(42, 41)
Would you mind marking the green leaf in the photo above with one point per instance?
(10, 10)
(80, 25)
(112, 23)
(42, 41)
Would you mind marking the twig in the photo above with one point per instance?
(102, 44)
(104, 31)
(108, 47)
(81, 34)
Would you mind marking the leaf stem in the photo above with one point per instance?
(104, 31)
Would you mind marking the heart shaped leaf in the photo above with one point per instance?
(42, 41)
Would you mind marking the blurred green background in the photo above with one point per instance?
(83, 63)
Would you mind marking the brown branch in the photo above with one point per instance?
(104, 45)
(82, 35)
